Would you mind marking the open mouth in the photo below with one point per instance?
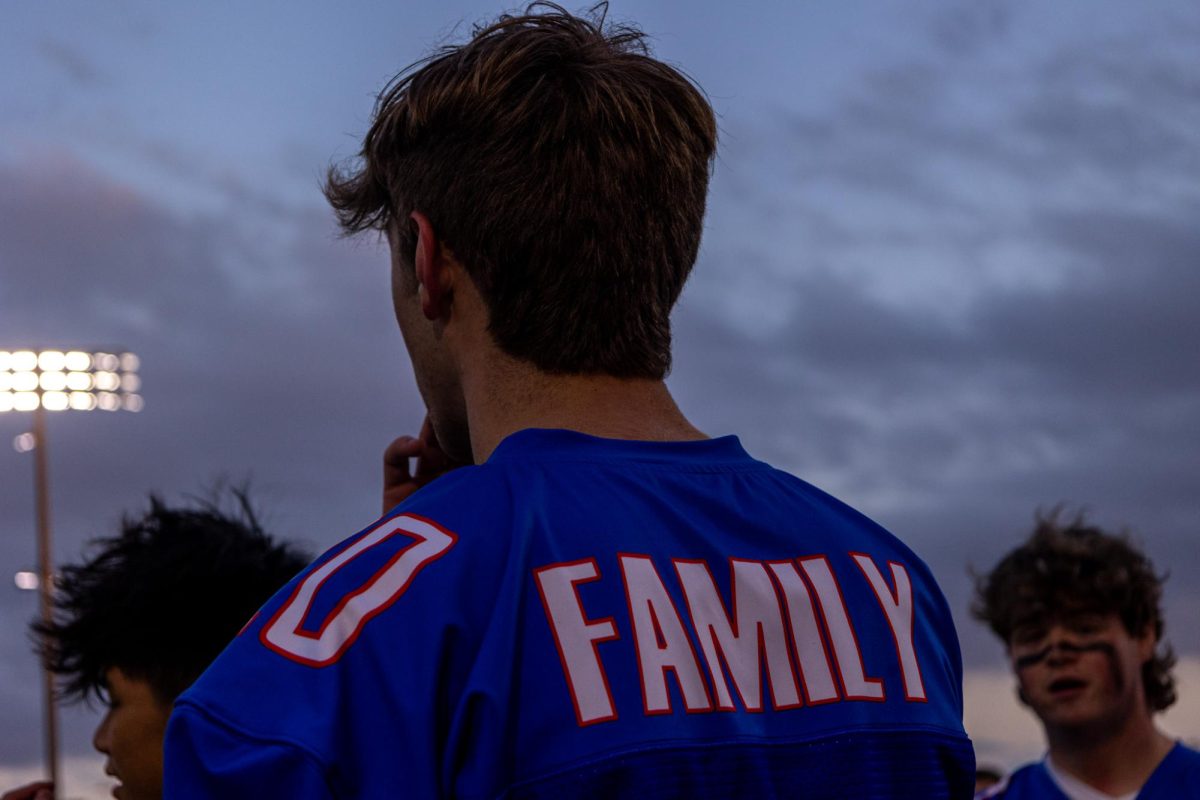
(1065, 685)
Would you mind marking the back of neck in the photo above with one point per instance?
(505, 396)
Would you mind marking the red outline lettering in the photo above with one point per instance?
(845, 615)
(708, 703)
(822, 635)
(723, 666)
(285, 623)
(912, 612)
(587, 624)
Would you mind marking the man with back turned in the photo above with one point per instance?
(608, 603)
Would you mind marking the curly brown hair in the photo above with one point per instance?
(1068, 567)
(565, 168)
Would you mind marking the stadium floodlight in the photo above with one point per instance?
(59, 380)
(74, 380)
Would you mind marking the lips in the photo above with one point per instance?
(1061, 686)
(116, 790)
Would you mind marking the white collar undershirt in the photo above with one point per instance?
(1076, 789)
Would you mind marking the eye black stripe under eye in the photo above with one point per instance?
(1066, 647)
(1033, 658)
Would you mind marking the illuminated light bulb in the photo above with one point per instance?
(107, 401)
(54, 381)
(23, 361)
(106, 362)
(83, 401)
(106, 381)
(5, 360)
(130, 362)
(79, 381)
(6, 401)
(26, 581)
(6, 379)
(24, 381)
(51, 360)
(130, 382)
(134, 402)
(25, 401)
(55, 401)
(77, 361)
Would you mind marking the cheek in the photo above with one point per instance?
(1028, 667)
(1028, 679)
(1107, 665)
(137, 755)
(1127, 671)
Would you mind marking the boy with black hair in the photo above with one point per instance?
(136, 624)
(610, 603)
(1078, 610)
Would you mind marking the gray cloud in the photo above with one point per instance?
(982, 280)
(961, 292)
(964, 29)
(268, 352)
(77, 66)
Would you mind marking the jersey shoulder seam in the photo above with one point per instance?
(215, 717)
(703, 466)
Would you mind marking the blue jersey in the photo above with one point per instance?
(583, 617)
(1176, 778)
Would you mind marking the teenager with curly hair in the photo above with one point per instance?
(1079, 611)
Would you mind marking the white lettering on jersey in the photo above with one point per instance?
(898, 608)
(757, 628)
(790, 614)
(662, 643)
(846, 652)
(576, 637)
(337, 632)
(816, 674)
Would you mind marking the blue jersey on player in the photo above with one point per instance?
(584, 617)
(1176, 778)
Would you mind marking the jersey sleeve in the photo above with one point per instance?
(347, 681)
(206, 759)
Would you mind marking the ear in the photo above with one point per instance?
(430, 266)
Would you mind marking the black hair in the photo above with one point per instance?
(162, 599)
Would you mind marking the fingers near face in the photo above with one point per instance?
(38, 790)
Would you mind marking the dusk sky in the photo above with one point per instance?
(950, 274)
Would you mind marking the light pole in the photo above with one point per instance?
(54, 380)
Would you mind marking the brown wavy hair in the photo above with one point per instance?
(565, 168)
(1071, 566)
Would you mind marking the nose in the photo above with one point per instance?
(1059, 654)
(100, 737)
(1057, 647)
(1061, 645)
